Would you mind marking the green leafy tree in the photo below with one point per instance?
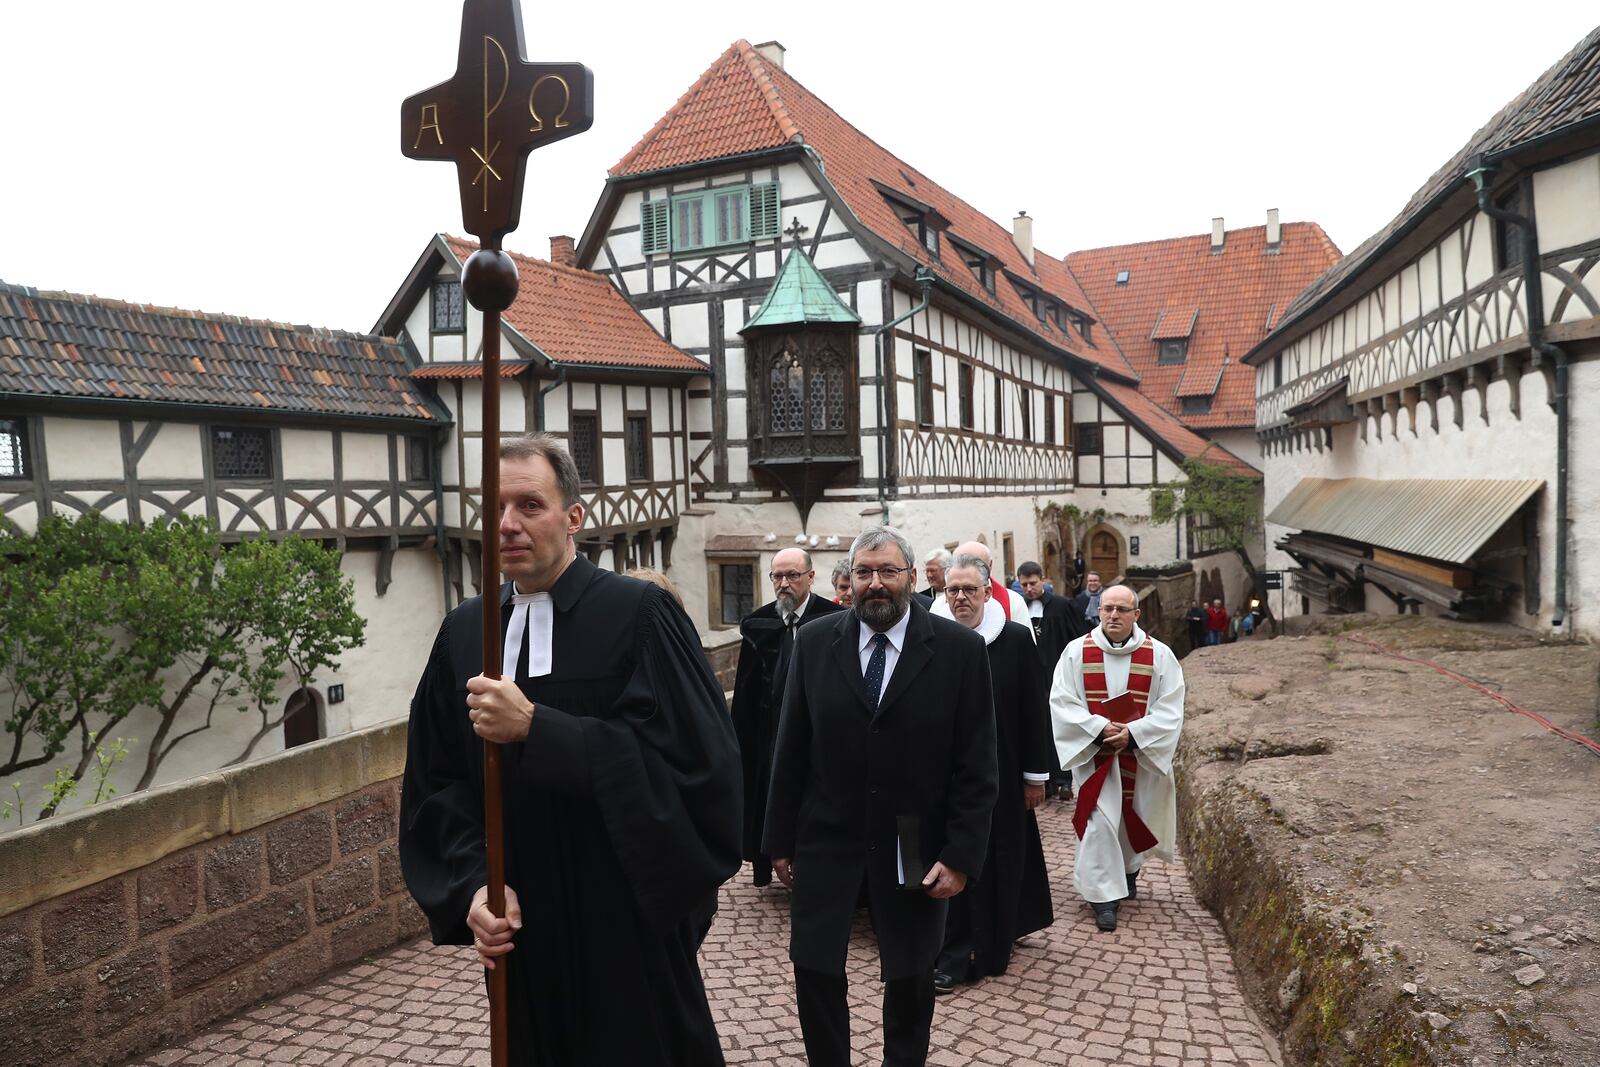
(1226, 503)
(99, 619)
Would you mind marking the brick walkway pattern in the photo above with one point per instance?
(1160, 992)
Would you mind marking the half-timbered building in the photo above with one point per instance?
(1426, 407)
(940, 373)
(143, 413)
(1185, 311)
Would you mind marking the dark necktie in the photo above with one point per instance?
(875, 665)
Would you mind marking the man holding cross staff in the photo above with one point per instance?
(571, 819)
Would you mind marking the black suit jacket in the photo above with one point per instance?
(1063, 620)
(757, 698)
(843, 775)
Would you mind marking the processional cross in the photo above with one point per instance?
(486, 119)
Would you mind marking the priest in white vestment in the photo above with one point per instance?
(1117, 833)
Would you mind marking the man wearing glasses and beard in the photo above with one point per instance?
(883, 784)
(768, 634)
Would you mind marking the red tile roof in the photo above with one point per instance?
(745, 104)
(509, 368)
(1234, 291)
(578, 317)
(1165, 425)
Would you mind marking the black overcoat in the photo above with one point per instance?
(1063, 620)
(842, 775)
(1012, 898)
(757, 699)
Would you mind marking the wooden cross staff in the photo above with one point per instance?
(486, 119)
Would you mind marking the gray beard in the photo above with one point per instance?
(787, 603)
(882, 613)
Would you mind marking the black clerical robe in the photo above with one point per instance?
(621, 820)
(1011, 898)
(1056, 628)
(757, 699)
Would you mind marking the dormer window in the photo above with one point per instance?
(923, 220)
(979, 262)
(1030, 297)
(1175, 350)
(1197, 405)
(917, 222)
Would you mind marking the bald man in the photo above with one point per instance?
(768, 633)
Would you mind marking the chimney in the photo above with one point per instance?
(772, 52)
(1217, 235)
(563, 251)
(1022, 235)
(1274, 231)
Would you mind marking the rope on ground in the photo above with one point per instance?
(1587, 742)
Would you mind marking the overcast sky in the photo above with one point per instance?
(244, 158)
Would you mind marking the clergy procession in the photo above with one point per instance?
(877, 756)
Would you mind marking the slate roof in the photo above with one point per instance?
(1168, 427)
(70, 345)
(578, 317)
(1227, 296)
(1564, 96)
(743, 103)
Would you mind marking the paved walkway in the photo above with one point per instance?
(1160, 992)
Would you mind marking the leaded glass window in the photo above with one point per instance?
(827, 393)
(449, 314)
(787, 401)
(14, 449)
(738, 591)
(638, 448)
(237, 453)
(585, 441)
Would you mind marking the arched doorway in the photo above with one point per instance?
(1102, 552)
(1051, 565)
(302, 718)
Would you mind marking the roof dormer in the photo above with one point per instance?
(924, 221)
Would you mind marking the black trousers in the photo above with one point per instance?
(955, 958)
(825, 1018)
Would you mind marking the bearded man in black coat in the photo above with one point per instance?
(1012, 897)
(883, 784)
(769, 633)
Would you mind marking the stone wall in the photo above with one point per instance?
(147, 919)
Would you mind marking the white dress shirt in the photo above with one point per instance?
(891, 654)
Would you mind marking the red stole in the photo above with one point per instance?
(1141, 672)
(998, 592)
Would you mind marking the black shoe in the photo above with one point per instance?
(1105, 918)
(943, 983)
(1133, 886)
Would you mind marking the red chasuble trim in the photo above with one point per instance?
(998, 592)
(1141, 672)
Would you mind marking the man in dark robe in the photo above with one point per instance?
(882, 785)
(768, 634)
(1011, 899)
(621, 792)
(1054, 622)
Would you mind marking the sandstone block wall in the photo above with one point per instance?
(148, 919)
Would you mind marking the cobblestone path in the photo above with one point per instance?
(1160, 992)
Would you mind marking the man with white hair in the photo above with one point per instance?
(1012, 897)
(1010, 600)
(1117, 709)
(935, 563)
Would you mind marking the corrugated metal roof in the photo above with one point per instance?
(1443, 519)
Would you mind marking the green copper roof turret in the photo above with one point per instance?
(801, 295)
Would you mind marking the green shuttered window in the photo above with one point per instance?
(713, 218)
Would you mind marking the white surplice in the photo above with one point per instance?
(1104, 856)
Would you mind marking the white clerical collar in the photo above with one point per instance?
(1124, 649)
(994, 617)
(542, 611)
(896, 633)
(1036, 609)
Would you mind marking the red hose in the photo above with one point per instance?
(1587, 742)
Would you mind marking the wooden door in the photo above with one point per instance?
(1104, 559)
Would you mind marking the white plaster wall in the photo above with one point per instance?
(366, 456)
(82, 448)
(1567, 204)
(308, 454)
(174, 452)
(1242, 442)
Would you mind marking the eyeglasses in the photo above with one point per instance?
(779, 577)
(1116, 609)
(957, 591)
(885, 574)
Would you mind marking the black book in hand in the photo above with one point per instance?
(913, 867)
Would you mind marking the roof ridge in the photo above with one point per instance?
(757, 65)
(165, 311)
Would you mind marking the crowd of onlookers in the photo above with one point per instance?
(1210, 624)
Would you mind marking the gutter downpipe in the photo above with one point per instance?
(546, 390)
(924, 278)
(1480, 171)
